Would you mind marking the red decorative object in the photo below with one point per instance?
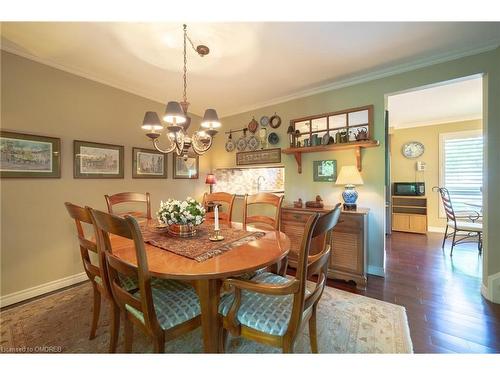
(210, 180)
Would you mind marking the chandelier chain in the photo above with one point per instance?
(185, 66)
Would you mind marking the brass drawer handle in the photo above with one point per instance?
(297, 216)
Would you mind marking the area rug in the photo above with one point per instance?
(60, 322)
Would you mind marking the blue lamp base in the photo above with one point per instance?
(350, 196)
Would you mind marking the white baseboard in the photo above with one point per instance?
(436, 229)
(36, 291)
(377, 271)
(491, 291)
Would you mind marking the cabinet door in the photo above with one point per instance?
(418, 223)
(401, 222)
(347, 245)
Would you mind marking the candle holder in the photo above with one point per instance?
(216, 236)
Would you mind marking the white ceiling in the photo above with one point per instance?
(448, 102)
(250, 64)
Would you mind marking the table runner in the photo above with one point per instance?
(199, 248)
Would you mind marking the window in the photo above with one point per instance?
(242, 181)
(461, 168)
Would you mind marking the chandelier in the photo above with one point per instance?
(178, 121)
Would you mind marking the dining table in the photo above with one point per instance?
(207, 276)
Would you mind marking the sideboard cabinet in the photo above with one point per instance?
(348, 258)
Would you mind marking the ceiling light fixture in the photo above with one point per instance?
(178, 121)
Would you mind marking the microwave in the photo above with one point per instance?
(409, 188)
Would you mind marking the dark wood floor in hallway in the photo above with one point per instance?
(446, 311)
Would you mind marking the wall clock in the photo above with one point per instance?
(412, 150)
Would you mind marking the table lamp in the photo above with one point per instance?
(349, 176)
(210, 180)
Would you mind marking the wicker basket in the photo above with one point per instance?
(182, 230)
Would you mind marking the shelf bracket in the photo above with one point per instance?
(357, 150)
(298, 159)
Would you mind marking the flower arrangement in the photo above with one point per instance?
(188, 212)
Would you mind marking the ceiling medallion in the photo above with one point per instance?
(178, 121)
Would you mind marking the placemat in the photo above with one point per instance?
(199, 248)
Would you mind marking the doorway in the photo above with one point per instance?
(434, 139)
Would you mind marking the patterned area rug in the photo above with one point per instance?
(347, 323)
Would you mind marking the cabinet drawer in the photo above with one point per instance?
(349, 223)
(298, 217)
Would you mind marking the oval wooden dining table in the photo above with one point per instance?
(208, 276)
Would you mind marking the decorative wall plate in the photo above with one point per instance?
(412, 150)
(241, 145)
(253, 125)
(230, 146)
(275, 121)
(273, 138)
(253, 143)
(264, 121)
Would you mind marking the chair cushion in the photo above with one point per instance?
(467, 226)
(128, 283)
(265, 313)
(174, 302)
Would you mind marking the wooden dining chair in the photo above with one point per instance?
(130, 197)
(272, 309)
(465, 226)
(163, 309)
(220, 197)
(269, 200)
(97, 274)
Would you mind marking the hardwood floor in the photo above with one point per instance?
(446, 311)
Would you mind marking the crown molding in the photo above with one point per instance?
(446, 120)
(374, 75)
(81, 73)
(351, 81)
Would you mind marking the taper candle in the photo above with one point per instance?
(216, 217)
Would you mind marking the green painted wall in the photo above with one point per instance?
(372, 192)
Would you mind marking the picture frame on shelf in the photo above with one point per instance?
(149, 163)
(29, 156)
(97, 160)
(186, 169)
(324, 170)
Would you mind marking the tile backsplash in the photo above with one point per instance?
(242, 181)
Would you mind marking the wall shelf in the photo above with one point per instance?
(356, 146)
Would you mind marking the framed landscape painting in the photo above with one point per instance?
(28, 155)
(186, 168)
(97, 160)
(148, 163)
(325, 170)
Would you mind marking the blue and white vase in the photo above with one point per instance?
(350, 195)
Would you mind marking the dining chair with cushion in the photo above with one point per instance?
(466, 227)
(97, 274)
(272, 309)
(224, 198)
(130, 197)
(163, 309)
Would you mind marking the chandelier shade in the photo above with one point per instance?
(174, 113)
(210, 119)
(151, 122)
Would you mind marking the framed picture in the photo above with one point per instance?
(324, 170)
(28, 155)
(267, 156)
(148, 163)
(186, 168)
(97, 160)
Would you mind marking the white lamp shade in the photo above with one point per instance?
(210, 119)
(174, 113)
(349, 175)
(151, 122)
